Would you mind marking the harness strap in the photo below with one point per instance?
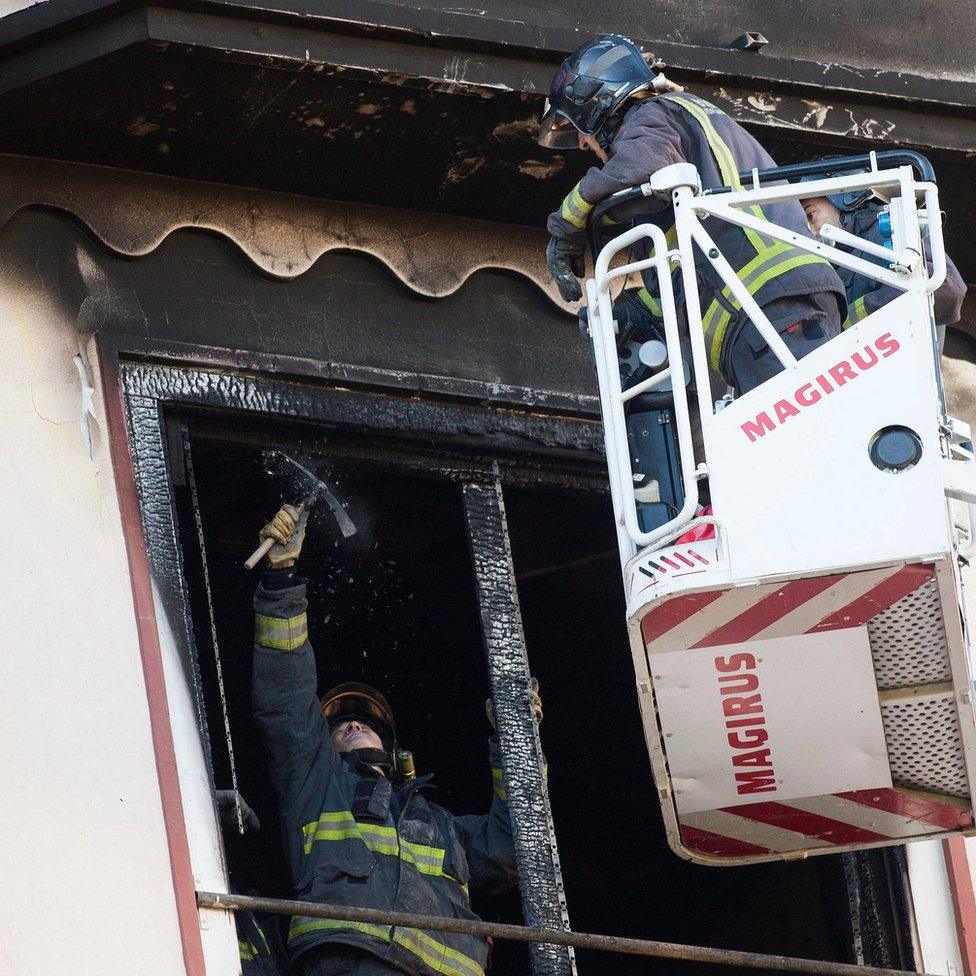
(857, 312)
(773, 258)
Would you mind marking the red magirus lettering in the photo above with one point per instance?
(738, 684)
(747, 739)
(887, 345)
(806, 395)
(824, 384)
(784, 410)
(756, 428)
(866, 361)
(755, 781)
(744, 705)
(738, 723)
(735, 662)
(842, 372)
(809, 394)
(752, 759)
(757, 757)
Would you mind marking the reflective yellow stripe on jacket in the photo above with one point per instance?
(772, 261)
(856, 312)
(773, 258)
(653, 304)
(498, 784)
(300, 926)
(724, 158)
(575, 209)
(281, 633)
(247, 950)
(440, 957)
(336, 825)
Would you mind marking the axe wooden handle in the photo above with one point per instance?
(259, 553)
(262, 550)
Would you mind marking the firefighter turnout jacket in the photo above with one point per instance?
(260, 951)
(667, 129)
(866, 295)
(351, 838)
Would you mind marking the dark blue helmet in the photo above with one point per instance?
(589, 87)
(845, 202)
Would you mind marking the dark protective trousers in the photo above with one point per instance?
(342, 960)
(803, 323)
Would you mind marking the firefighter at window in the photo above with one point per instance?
(606, 99)
(257, 938)
(359, 830)
(859, 213)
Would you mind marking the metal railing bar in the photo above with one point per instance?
(522, 933)
(835, 255)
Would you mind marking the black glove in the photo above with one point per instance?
(635, 321)
(228, 813)
(566, 265)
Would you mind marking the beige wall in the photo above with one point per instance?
(86, 886)
(9, 6)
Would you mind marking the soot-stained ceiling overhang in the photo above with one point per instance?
(409, 104)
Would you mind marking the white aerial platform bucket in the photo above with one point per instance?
(804, 674)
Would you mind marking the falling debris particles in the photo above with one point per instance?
(317, 490)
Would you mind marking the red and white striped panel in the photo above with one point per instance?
(844, 819)
(804, 606)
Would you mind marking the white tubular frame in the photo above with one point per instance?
(612, 398)
(906, 271)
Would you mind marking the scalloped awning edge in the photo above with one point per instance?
(132, 213)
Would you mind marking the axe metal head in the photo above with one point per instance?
(318, 489)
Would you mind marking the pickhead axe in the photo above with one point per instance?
(319, 491)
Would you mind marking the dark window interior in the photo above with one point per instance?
(396, 606)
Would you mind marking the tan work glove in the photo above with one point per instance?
(536, 705)
(287, 529)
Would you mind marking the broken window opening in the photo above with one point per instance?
(620, 876)
(394, 606)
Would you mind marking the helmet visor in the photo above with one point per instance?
(364, 718)
(357, 702)
(556, 131)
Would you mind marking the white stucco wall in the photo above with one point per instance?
(218, 932)
(11, 6)
(86, 876)
(935, 922)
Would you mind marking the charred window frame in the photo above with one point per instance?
(477, 446)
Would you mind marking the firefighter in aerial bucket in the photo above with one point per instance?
(358, 829)
(862, 214)
(607, 100)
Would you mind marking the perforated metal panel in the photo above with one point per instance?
(908, 641)
(924, 745)
(910, 651)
